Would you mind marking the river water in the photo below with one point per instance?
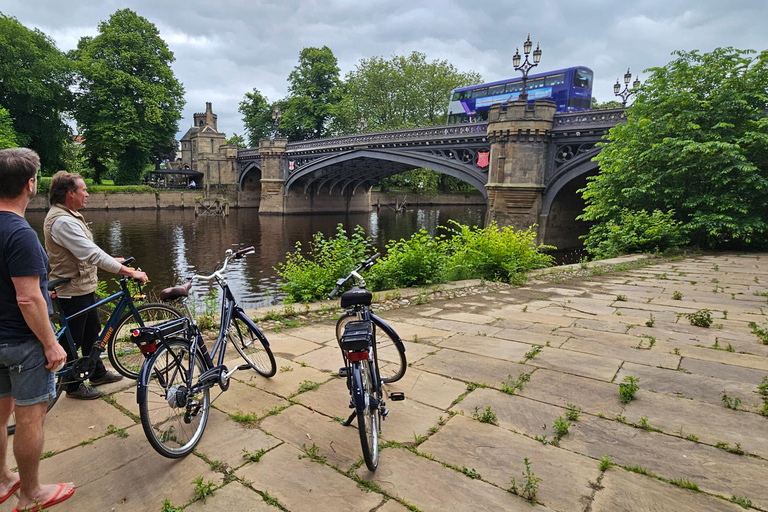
(173, 244)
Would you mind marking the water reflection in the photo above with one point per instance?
(171, 245)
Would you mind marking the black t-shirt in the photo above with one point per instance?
(20, 255)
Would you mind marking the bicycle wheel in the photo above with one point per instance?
(123, 353)
(172, 418)
(250, 345)
(11, 427)
(390, 354)
(367, 416)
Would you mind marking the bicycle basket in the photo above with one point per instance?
(357, 335)
(145, 337)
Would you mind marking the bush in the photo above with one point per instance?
(417, 261)
(494, 254)
(636, 232)
(305, 279)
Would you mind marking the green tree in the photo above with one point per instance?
(696, 142)
(236, 140)
(128, 101)
(34, 87)
(605, 104)
(314, 94)
(257, 116)
(7, 133)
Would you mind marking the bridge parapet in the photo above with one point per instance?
(589, 119)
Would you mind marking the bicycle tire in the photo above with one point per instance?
(367, 415)
(123, 353)
(163, 410)
(389, 353)
(249, 342)
(59, 386)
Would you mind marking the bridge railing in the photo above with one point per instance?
(598, 118)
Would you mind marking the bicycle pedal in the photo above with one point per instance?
(397, 396)
(343, 372)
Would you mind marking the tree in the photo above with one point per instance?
(404, 92)
(314, 94)
(257, 116)
(7, 133)
(606, 104)
(128, 102)
(236, 140)
(696, 143)
(34, 87)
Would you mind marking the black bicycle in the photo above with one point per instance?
(116, 329)
(175, 381)
(362, 346)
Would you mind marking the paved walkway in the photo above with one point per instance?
(455, 443)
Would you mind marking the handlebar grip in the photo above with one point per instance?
(370, 261)
(334, 292)
(127, 261)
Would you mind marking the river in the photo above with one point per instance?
(173, 244)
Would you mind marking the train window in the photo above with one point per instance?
(582, 78)
(555, 79)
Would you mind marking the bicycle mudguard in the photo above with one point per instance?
(358, 397)
(240, 314)
(384, 326)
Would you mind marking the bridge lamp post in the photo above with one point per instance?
(526, 66)
(276, 115)
(362, 124)
(627, 92)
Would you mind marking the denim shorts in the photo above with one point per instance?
(23, 374)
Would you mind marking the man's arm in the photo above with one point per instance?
(34, 308)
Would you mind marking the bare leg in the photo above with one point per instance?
(27, 447)
(8, 479)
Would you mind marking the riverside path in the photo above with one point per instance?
(693, 439)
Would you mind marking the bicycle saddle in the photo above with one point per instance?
(176, 292)
(56, 282)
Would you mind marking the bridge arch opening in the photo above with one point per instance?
(250, 180)
(562, 203)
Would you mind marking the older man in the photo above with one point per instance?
(28, 346)
(73, 254)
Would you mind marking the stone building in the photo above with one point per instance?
(204, 149)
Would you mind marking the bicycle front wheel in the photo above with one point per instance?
(172, 416)
(59, 386)
(389, 353)
(124, 355)
(367, 416)
(250, 344)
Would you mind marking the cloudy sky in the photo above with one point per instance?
(225, 48)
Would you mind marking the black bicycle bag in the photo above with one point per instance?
(356, 296)
(146, 337)
(357, 336)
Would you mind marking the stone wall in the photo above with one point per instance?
(151, 201)
(411, 199)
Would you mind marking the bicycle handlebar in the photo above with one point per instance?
(366, 265)
(127, 261)
(218, 274)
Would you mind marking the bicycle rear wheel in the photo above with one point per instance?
(173, 419)
(59, 386)
(367, 416)
(123, 353)
(249, 343)
(390, 353)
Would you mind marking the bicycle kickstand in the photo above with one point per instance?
(349, 420)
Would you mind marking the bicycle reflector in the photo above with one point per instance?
(358, 356)
(145, 340)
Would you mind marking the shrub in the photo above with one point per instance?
(312, 277)
(420, 260)
(636, 231)
(494, 254)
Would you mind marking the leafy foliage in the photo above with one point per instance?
(416, 261)
(7, 133)
(257, 116)
(34, 87)
(129, 102)
(696, 144)
(312, 277)
(635, 231)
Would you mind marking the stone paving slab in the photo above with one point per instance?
(247, 399)
(285, 382)
(409, 331)
(577, 363)
(589, 395)
(630, 492)
(227, 441)
(327, 358)
(644, 355)
(429, 388)
(300, 484)
(532, 337)
(471, 318)
(724, 371)
(498, 456)
(712, 469)
(233, 496)
(708, 354)
(468, 367)
(463, 327)
(487, 346)
(286, 345)
(431, 487)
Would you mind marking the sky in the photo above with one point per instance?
(225, 48)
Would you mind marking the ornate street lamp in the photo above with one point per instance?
(526, 66)
(627, 92)
(362, 124)
(276, 115)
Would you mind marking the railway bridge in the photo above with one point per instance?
(527, 161)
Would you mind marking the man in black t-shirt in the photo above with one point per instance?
(28, 347)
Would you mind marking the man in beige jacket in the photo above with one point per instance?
(73, 254)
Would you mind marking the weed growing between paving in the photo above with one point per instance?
(168, 507)
(731, 402)
(253, 456)
(530, 488)
(606, 463)
(203, 489)
(561, 427)
(488, 416)
(313, 453)
(730, 449)
(509, 386)
(650, 321)
(742, 500)
(628, 389)
(701, 318)
(676, 295)
(760, 332)
(572, 412)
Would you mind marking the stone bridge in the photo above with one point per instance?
(526, 161)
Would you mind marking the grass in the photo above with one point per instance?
(120, 432)
(306, 385)
(471, 386)
(685, 484)
(606, 463)
(244, 418)
(742, 500)
(730, 449)
(253, 456)
(313, 453)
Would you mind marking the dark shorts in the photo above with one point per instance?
(23, 374)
